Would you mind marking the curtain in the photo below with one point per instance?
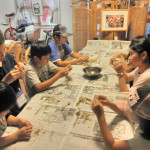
(19, 3)
(19, 17)
(55, 8)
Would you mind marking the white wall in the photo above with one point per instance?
(6, 7)
(9, 6)
(66, 17)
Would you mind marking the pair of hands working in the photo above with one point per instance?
(64, 70)
(16, 73)
(25, 129)
(83, 58)
(98, 103)
(116, 65)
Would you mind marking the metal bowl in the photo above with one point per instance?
(92, 71)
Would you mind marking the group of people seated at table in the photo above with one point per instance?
(42, 73)
(47, 64)
(45, 67)
(138, 100)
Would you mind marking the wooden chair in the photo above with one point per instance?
(23, 81)
(23, 87)
(27, 54)
(16, 49)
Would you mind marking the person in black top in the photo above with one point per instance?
(7, 65)
(10, 71)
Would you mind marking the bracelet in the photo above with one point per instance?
(120, 75)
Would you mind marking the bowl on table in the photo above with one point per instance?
(92, 72)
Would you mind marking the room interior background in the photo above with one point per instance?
(82, 18)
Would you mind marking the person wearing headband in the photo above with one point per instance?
(60, 49)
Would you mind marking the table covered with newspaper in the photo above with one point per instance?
(61, 116)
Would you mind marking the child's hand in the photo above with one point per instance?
(23, 122)
(112, 59)
(97, 107)
(24, 133)
(117, 65)
(20, 66)
(63, 72)
(69, 67)
(83, 58)
(119, 54)
(103, 100)
(11, 76)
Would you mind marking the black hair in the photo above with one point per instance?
(55, 31)
(39, 49)
(2, 39)
(7, 97)
(145, 127)
(140, 44)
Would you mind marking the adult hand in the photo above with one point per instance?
(86, 57)
(11, 76)
(97, 108)
(24, 133)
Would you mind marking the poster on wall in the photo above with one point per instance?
(37, 7)
(51, 14)
(114, 19)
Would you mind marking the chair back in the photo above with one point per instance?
(16, 49)
(27, 54)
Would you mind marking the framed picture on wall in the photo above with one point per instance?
(37, 7)
(114, 19)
